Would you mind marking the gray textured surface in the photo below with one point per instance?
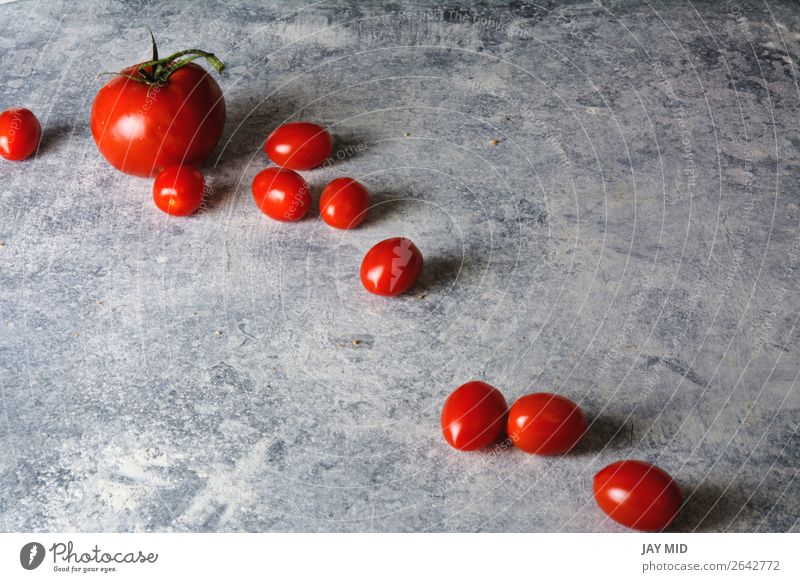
(632, 242)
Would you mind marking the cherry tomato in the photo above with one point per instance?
(638, 495)
(150, 117)
(344, 203)
(178, 190)
(473, 416)
(281, 194)
(391, 267)
(545, 424)
(20, 133)
(299, 145)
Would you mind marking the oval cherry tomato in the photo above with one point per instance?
(20, 133)
(473, 416)
(391, 267)
(142, 128)
(299, 145)
(178, 190)
(638, 495)
(545, 424)
(344, 203)
(281, 194)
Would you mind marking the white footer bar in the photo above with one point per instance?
(387, 557)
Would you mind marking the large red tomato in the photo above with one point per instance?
(160, 113)
(473, 416)
(638, 495)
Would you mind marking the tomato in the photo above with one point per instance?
(281, 194)
(545, 424)
(299, 145)
(391, 267)
(344, 203)
(638, 495)
(179, 190)
(473, 416)
(160, 113)
(20, 133)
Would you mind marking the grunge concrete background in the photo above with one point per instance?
(630, 240)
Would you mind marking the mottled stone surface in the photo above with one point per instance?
(631, 241)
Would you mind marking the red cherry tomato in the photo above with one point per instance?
(281, 194)
(178, 190)
(164, 118)
(473, 416)
(20, 133)
(638, 495)
(344, 203)
(545, 424)
(391, 267)
(299, 145)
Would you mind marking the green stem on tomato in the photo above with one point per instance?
(157, 71)
(160, 70)
(155, 48)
